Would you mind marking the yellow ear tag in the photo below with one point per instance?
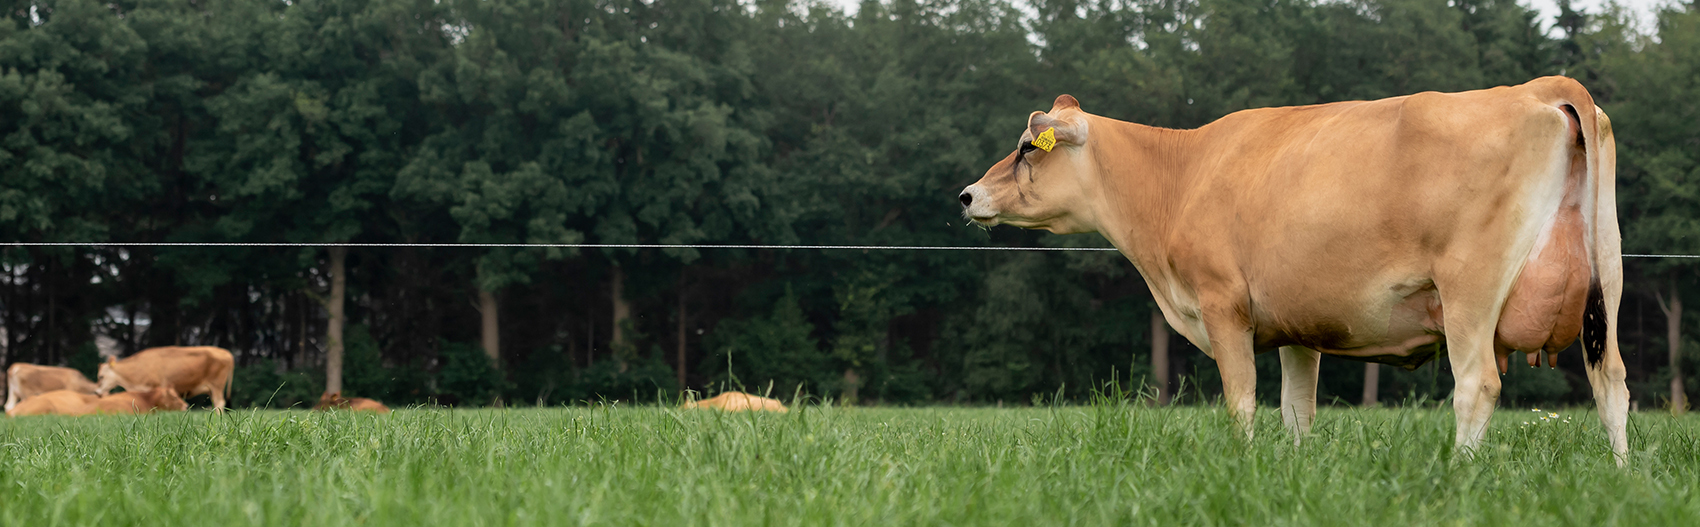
(1046, 140)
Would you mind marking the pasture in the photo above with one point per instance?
(1101, 464)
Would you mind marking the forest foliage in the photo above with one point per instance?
(706, 122)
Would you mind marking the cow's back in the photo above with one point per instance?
(739, 402)
(33, 379)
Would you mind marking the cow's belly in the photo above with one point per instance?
(1402, 326)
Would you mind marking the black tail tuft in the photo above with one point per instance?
(1594, 325)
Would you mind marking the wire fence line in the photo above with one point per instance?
(565, 246)
(618, 246)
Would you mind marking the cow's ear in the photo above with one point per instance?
(1064, 102)
(111, 359)
(1067, 130)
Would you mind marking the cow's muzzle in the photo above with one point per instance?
(977, 204)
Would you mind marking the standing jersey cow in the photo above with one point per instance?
(24, 380)
(1464, 225)
(190, 370)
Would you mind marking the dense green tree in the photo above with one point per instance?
(1648, 84)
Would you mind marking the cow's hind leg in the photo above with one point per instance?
(217, 397)
(1471, 320)
(1470, 326)
(1298, 389)
(1604, 363)
(1599, 317)
(13, 394)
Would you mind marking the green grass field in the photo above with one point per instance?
(1092, 465)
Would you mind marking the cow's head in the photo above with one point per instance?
(330, 400)
(1037, 189)
(108, 377)
(166, 398)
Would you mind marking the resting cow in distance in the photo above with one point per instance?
(25, 380)
(738, 402)
(142, 401)
(1458, 225)
(56, 402)
(335, 401)
(66, 402)
(190, 371)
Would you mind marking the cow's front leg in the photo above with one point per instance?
(1230, 345)
(1298, 389)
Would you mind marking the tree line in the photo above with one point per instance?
(711, 122)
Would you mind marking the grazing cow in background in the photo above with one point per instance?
(1458, 225)
(25, 380)
(738, 402)
(56, 402)
(190, 371)
(335, 401)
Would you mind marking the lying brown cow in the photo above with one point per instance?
(738, 402)
(164, 398)
(66, 402)
(25, 380)
(57, 402)
(1457, 225)
(335, 401)
(190, 371)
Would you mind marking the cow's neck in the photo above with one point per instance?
(1144, 173)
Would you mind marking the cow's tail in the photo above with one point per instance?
(1601, 236)
(1604, 243)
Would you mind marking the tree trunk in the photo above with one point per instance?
(851, 382)
(333, 328)
(51, 345)
(491, 327)
(622, 309)
(1160, 356)
(680, 364)
(1372, 384)
(1673, 327)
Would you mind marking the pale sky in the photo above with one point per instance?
(1643, 9)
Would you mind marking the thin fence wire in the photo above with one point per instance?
(570, 246)
(619, 246)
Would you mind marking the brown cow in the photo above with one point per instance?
(190, 371)
(144, 401)
(56, 402)
(1458, 225)
(29, 380)
(737, 402)
(67, 402)
(335, 401)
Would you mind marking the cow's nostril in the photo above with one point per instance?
(967, 199)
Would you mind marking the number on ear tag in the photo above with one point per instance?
(1046, 140)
